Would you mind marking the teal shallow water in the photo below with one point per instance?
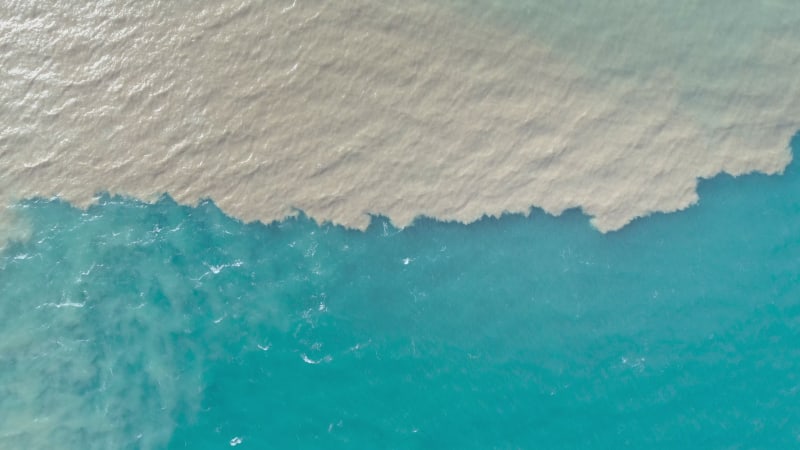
(162, 326)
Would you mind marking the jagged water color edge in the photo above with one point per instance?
(14, 226)
(185, 297)
(424, 110)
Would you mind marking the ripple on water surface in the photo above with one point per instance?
(131, 325)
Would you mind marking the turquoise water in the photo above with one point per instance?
(162, 326)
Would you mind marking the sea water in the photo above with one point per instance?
(449, 108)
(159, 326)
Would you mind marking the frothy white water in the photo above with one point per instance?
(399, 108)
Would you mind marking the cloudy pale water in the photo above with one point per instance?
(135, 325)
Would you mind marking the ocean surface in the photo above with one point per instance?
(452, 109)
(160, 326)
(303, 224)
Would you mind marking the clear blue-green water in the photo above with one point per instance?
(136, 325)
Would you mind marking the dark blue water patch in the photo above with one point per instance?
(133, 325)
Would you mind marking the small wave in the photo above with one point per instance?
(325, 359)
(62, 305)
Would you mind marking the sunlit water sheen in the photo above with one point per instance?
(160, 326)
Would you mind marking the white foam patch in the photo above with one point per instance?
(401, 109)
